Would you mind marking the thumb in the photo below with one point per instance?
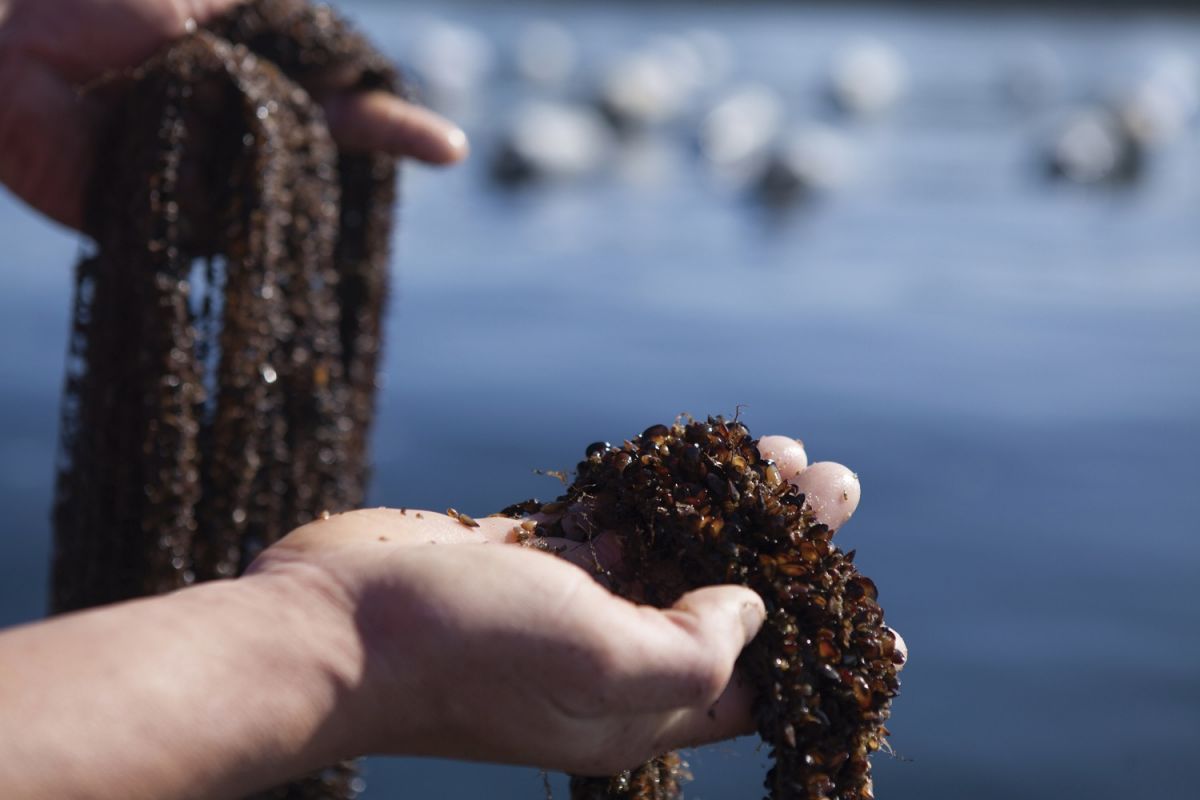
(730, 614)
(683, 656)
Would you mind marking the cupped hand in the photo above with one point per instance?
(469, 647)
(475, 649)
(51, 49)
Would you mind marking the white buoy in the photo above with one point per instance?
(546, 54)
(740, 127)
(1151, 114)
(866, 78)
(1092, 146)
(545, 140)
(641, 91)
(1163, 102)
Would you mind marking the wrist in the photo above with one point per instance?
(306, 643)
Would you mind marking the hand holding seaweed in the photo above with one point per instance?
(470, 647)
(527, 660)
(53, 53)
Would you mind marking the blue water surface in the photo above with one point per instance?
(1011, 366)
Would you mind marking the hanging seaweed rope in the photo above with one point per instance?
(226, 335)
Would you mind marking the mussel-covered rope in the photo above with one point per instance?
(226, 335)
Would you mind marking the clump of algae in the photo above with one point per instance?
(695, 504)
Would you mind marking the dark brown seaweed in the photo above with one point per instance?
(694, 504)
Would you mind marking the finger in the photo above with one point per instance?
(831, 491)
(376, 121)
(787, 453)
(901, 650)
(683, 657)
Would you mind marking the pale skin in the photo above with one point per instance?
(377, 631)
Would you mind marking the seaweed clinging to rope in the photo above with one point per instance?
(696, 504)
(227, 324)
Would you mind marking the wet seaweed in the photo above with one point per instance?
(694, 504)
(226, 333)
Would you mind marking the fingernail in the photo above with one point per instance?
(457, 144)
(753, 613)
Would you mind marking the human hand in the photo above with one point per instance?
(474, 649)
(471, 649)
(50, 49)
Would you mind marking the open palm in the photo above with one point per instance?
(49, 49)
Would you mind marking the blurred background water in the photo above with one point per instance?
(956, 250)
